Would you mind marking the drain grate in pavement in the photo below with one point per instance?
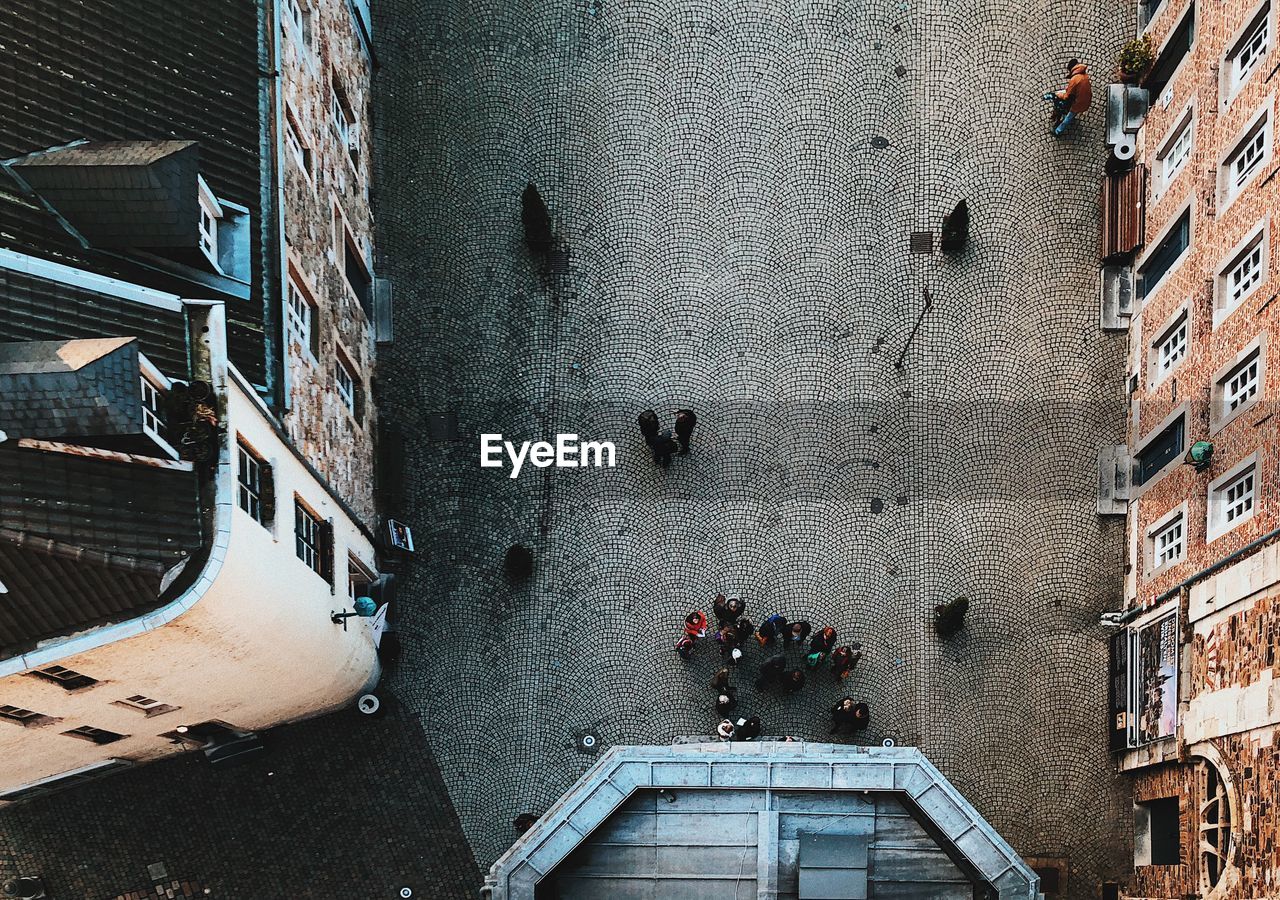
(922, 242)
(900, 70)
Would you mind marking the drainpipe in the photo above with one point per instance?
(272, 107)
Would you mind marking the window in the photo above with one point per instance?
(1158, 832)
(1166, 254)
(96, 735)
(1214, 826)
(64, 678)
(24, 717)
(297, 146)
(1242, 274)
(297, 18)
(1241, 384)
(1247, 159)
(146, 705)
(1158, 452)
(1251, 49)
(300, 317)
(1231, 499)
(210, 212)
(255, 486)
(355, 270)
(1176, 151)
(1175, 50)
(1147, 10)
(152, 410)
(345, 380)
(314, 540)
(359, 577)
(345, 125)
(1171, 347)
(1168, 542)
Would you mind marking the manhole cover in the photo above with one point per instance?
(877, 505)
(922, 242)
(879, 142)
(900, 70)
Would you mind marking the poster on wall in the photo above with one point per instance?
(1157, 660)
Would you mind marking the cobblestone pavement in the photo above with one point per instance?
(735, 182)
(339, 808)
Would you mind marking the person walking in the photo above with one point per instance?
(720, 607)
(793, 681)
(725, 730)
(847, 713)
(771, 671)
(737, 607)
(684, 647)
(720, 680)
(695, 624)
(649, 426)
(1073, 100)
(685, 420)
(748, 729)
(799, 632)
(745, 629)
(948, 618)
(727, 638)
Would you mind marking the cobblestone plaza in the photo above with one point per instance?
(735, 185)
(747, 198)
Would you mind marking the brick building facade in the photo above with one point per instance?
(1194, 712)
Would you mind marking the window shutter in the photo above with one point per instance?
(326, 550)
(316, 318)
(266, 493)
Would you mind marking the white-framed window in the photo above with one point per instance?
(1247, 158)
(64, 678)
(210, 212)
(345, 123)
(298, 146)
(146, 705)
(1233, 498)
(24, 717)
(152, 408)
(308, 538)
(255, 490)
(1165, 254)
(1238, 385)
(1170, 348)
(297, 19)
(359, 577)
(1168, 541)
(1243, 273)
(1176, 151)
(1250, 50)
(344, 378)
(95, 735)
(1241, 385)
(300, 315)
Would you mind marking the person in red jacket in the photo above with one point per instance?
(1074, 99)
(695, 624)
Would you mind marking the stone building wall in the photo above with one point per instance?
(1170, 881)
(327, 192)
(1219, 118)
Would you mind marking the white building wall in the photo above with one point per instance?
(257, 649)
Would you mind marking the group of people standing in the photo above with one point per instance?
(666, 443)
(734, 631)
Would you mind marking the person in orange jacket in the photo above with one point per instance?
(1073, 100)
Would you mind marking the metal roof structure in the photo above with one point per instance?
(764, 819)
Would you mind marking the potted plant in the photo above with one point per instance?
(1136, 58)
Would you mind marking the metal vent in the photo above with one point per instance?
(922, 242)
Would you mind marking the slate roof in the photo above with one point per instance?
(122, 193)
(130, 70)
(75, 388)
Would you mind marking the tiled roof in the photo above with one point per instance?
(129, 70)
(37, 603)
(122, 193)
(75, 388)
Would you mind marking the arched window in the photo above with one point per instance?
(1214, 825)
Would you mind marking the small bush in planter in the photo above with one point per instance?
(519, 562)
(1136, 57)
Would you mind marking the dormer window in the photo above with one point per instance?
(154, 387)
